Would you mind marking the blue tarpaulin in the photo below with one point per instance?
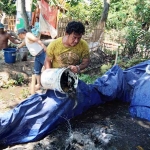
(138, 78)
(38, 115)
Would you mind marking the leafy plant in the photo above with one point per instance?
(137, 40)
(104, 68)
(87, 78)
(95, 10)
(131, 40)
(20, 79)
(125, 63)
(78, 12)
(73, 2)
(8, 6)
(10, 83)
(142, 11)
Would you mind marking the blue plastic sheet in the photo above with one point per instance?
(131, 75)
(40, 114)
(110, 85)
(140, 104)
(139, 81)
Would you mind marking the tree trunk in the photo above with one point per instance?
(105, 10)
(24, 15)
(98, 33)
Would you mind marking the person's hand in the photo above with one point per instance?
(44, 49)
(74, 69)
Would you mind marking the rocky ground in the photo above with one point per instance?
(105, 127)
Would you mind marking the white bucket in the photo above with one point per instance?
(54, 79)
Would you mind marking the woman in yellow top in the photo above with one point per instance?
(70, 50)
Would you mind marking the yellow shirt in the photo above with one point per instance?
(62, 56)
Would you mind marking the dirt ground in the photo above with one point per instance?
(105, 127)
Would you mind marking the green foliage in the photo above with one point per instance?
(131, 40)
(34, 5)
(95, 11)
(120, 13)
(144, 41)
(127, 62)
(87, 78)
(78, 12)
(143, 11)
(10, 83)
(8, 6)
(104, 68)
(137, 40)
(85, 12)
(20, 79)
(73, 2)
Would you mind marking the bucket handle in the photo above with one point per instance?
(59, 96)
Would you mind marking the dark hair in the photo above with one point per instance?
(76, 27)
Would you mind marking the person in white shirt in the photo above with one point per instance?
(36, 49)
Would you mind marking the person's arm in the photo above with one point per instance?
(85, 59)
(84, 64)
(33, 38)
(47, 63)
(13, 40)
(21, 45)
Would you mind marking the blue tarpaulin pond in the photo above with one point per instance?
(38, 115)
